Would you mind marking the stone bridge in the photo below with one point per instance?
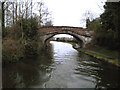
(84, 36)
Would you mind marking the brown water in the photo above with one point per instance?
(61, 66)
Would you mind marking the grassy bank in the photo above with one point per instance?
(102, 57)
(101, 53)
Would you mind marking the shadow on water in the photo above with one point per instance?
(28, 72)
(105, 74)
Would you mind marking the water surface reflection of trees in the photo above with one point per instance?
(29, 72)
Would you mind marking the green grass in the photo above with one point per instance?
(101, 53)
(112, 53)
(73, 44)
(98, 56)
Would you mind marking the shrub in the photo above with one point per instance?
(12, 50)
(30, 27)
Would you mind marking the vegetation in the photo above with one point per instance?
(105, 51)
(106, 40)
(106, 27)
(102, 57)
(12, 50)
(19, 29)
(17, 43)
(109, 56)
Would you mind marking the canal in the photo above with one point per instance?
(61, 66)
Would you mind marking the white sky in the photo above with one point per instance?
(63, 35)
(70, 12)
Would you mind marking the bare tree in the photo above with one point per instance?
(16, 11)
(7, 15)
(100, 5)
(13, 12)
(44, 15)
(19, 10)
(87, 16)
(40, 4)
(3, 9)
(31, 8)
(3, 16)
(26, 7)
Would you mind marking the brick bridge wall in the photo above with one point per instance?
(79, 33)
(52, 29)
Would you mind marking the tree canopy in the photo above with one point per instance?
(107, 27)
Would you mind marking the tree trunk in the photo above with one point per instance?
(6, 17)
(13, 13)
(3, 17)
(16, 12)
(21, 22)
(31, 8)
(26, 5)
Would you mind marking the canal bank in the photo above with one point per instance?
(97, 54)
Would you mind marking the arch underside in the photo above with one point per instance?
(77, 37)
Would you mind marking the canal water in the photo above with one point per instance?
(61, 66)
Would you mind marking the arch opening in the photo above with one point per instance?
(79, 42)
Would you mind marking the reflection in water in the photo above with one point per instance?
(28, 72)
(61, 66)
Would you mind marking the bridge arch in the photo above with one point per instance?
(84, 36)
(75, 35)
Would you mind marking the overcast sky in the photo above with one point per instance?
(70, 12)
